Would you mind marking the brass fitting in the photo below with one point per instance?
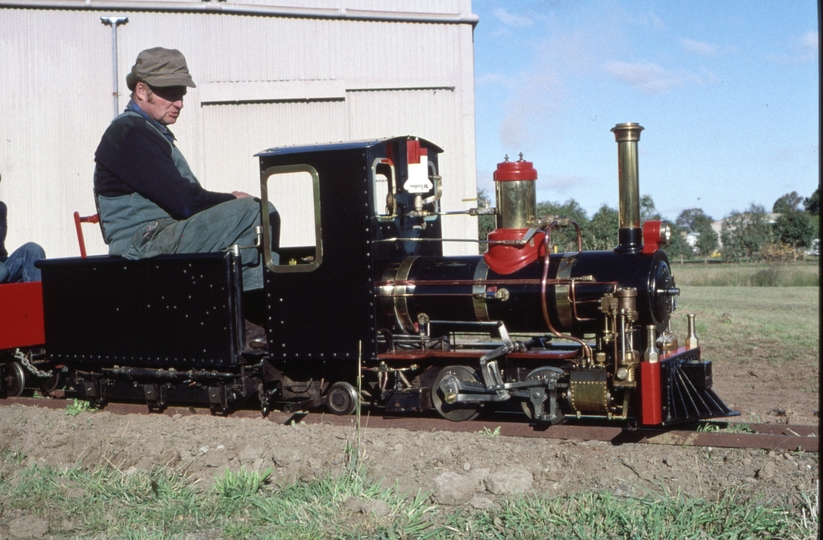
(630, 236)
(667, 341)
(627, 302)
(691, 339)
(627, 135)
(651, 354)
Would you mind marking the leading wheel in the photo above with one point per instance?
(456, 412)
(342, 398)
(14, 379)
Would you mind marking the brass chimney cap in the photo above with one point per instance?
(627, 132)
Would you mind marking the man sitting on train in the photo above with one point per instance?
(149, 200)
(19, 266)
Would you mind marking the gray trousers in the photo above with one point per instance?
(215, 229)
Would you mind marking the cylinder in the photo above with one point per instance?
(516, 194)
(630, 235)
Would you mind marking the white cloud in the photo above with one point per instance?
(708, 77)
(511, 20)
(647, 77)
(492, 78)
(650, 78)
(648, 20)
(536, 101)
(698, 47)
(561, 183)
(810, 42)
(704, 49)
(803, 49)
(539, 93)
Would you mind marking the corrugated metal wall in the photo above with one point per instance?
(263, 81)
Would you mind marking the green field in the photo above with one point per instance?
(738, 309)
(799, 274)
(735, 319)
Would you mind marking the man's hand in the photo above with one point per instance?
(240, 194)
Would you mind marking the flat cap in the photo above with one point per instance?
(160, 67)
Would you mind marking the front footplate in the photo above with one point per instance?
(686, 388)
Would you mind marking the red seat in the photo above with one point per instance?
(21, 319)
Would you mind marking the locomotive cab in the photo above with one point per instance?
(361, 205)
(353, 202)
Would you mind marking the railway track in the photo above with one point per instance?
(727, 435)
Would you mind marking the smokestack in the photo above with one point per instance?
(630, 235)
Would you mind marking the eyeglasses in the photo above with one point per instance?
(169, 93)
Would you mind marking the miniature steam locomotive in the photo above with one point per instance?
(361, 306)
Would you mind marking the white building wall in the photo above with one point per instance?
(342, 70)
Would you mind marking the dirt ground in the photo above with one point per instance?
(474, 469)
(767, 392)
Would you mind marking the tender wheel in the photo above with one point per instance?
(538, 373)
(456, 412)
(342, 398)
(14, 379)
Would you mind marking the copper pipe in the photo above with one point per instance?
(587, 352)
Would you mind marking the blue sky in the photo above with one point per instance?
(727, 91)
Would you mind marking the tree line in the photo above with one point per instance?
(744, 235)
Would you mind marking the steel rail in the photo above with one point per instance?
(766, 436)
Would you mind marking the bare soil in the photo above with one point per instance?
(474, 469)
(766, 390)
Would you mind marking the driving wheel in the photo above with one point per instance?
(456, 412)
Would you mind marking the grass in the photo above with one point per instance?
(108, 504)
(742, 307)
(657, 515)
(716, 427)
(240, 485)
(490, 433)
(79, 406)
(799, 274)
(781, 323)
